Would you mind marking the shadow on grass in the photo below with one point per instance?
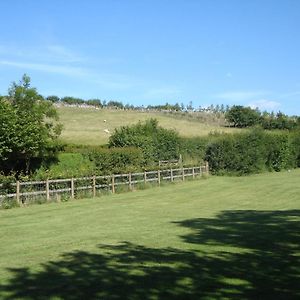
(250, 255)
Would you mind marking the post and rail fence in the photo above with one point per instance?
(53, 189)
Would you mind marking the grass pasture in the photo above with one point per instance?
(220, 238)
(86, 125)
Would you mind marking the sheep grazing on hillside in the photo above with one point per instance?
(106, 130)
(104, 121)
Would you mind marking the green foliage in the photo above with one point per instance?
(53, 98)
(279, 151)
(241, 116)
(72, 100)
(167, 106)
(114, 160)
(295, 146)
(94, 102)
(278, 121)
(156, 143)
(103, 160)
(28, 130)
(6, 182)
(115, 104)
(253, 152)
(68, 165)
(193, 149)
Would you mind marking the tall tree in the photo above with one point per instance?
(29, 128)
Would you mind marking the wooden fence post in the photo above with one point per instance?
(47, 190)
(172, 179)
(158, 177)
(113, 184)
(18, 191)
(145, 177)
(72, 188)
(182, 174)
(193, 170)
(129, 181)
(94, 186)
(206, 167)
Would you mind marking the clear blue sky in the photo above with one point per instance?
(148, 52)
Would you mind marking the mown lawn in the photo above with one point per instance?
(86, 126)
(219, 238)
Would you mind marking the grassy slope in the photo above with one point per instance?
(86, 126)
(224, 237)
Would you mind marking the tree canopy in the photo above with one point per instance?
(28, 128)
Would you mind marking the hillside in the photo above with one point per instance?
(220, 238)
(87, 125)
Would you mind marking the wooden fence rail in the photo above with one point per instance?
(49, 189)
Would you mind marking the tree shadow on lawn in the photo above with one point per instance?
(250, 255)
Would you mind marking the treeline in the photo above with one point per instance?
(90, 102)
(119, 105)
(242, 117)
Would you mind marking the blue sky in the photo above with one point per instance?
(142, 52)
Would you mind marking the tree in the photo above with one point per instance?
(29, 128)
(241, 116)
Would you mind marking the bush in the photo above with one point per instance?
(193, 149)
(6, 182)
(280, 151)
(155, 142)
(115, 160)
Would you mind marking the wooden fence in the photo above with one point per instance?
(54, 189)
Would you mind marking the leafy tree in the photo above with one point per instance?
(28, 131)
(241, 116)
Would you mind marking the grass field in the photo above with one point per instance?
(86, 126)
(216, 238)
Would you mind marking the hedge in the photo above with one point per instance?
(254, 151)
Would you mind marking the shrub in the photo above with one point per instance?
(115, 160)
(193, 149)
(155, 142)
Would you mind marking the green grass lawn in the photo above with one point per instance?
(216, 238)
(86, 126)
